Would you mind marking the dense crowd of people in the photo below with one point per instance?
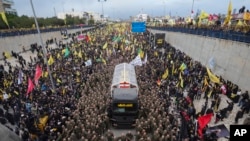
(74, 106)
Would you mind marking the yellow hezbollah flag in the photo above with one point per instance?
(51, 60)
(7, 55)
(105, 46)
(210, 93)
(165, 75)
(45, 74)
(181, 80)
(104, 61)
(203, 15)
(58, 56)
(212, 77)
(229, 12)
(183, 67)
(42, 122)
(4, 18)
(80, 54)
(205, 82)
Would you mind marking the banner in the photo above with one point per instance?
(159, 39)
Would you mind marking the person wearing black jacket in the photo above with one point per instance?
(243, 99)
(239, 115)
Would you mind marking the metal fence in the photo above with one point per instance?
(34, 31)
(227, 35)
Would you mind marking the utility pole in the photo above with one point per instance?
(102, 17)
(43, 47)
(55, 11)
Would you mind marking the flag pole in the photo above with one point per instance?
(43, 48)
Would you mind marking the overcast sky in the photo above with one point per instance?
(125, 8)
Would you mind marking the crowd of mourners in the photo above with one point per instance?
(74, 106)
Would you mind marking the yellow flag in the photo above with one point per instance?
(165, 75)
(141, 53)
(205, 81)
(104, 61)
(15, 92)
(181, 80)
(58, 56)
(51, 60)
(173, 68)
(58, 80)
(4, 18)
(105, 46)
(203, 15)
(45, 74)
(210, 93)
(212, 77)
(42, 122)
(75, 53)
(80, 54)
(229, 12)
(156, 53)
(183, 67)
(7, 55)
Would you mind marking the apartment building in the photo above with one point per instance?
(6, 6)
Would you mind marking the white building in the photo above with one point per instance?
(141, 17)
(87, 15)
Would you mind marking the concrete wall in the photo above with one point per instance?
(16, 43)
(232, 59)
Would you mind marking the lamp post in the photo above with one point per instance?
(102, 8)
(164, 9)
(192, 10)
(43, 48)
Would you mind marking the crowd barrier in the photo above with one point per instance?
(227, 35)
(34, 31)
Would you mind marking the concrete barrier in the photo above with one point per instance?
(16, 43)
(232, 59)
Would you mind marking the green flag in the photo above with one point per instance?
(67, 52)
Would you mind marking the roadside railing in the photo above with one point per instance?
(227, 35)
(4, 34)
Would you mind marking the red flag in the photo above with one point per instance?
(87, 38)
(38, 74)
(203, 121)
(30, 87)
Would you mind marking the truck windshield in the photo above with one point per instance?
(124, 107)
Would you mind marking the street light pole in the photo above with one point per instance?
(192, 10)
(43, 48)
(102, 8)
(164, 9)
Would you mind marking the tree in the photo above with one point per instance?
(91, 20)
(24, 21)
(148, 19)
